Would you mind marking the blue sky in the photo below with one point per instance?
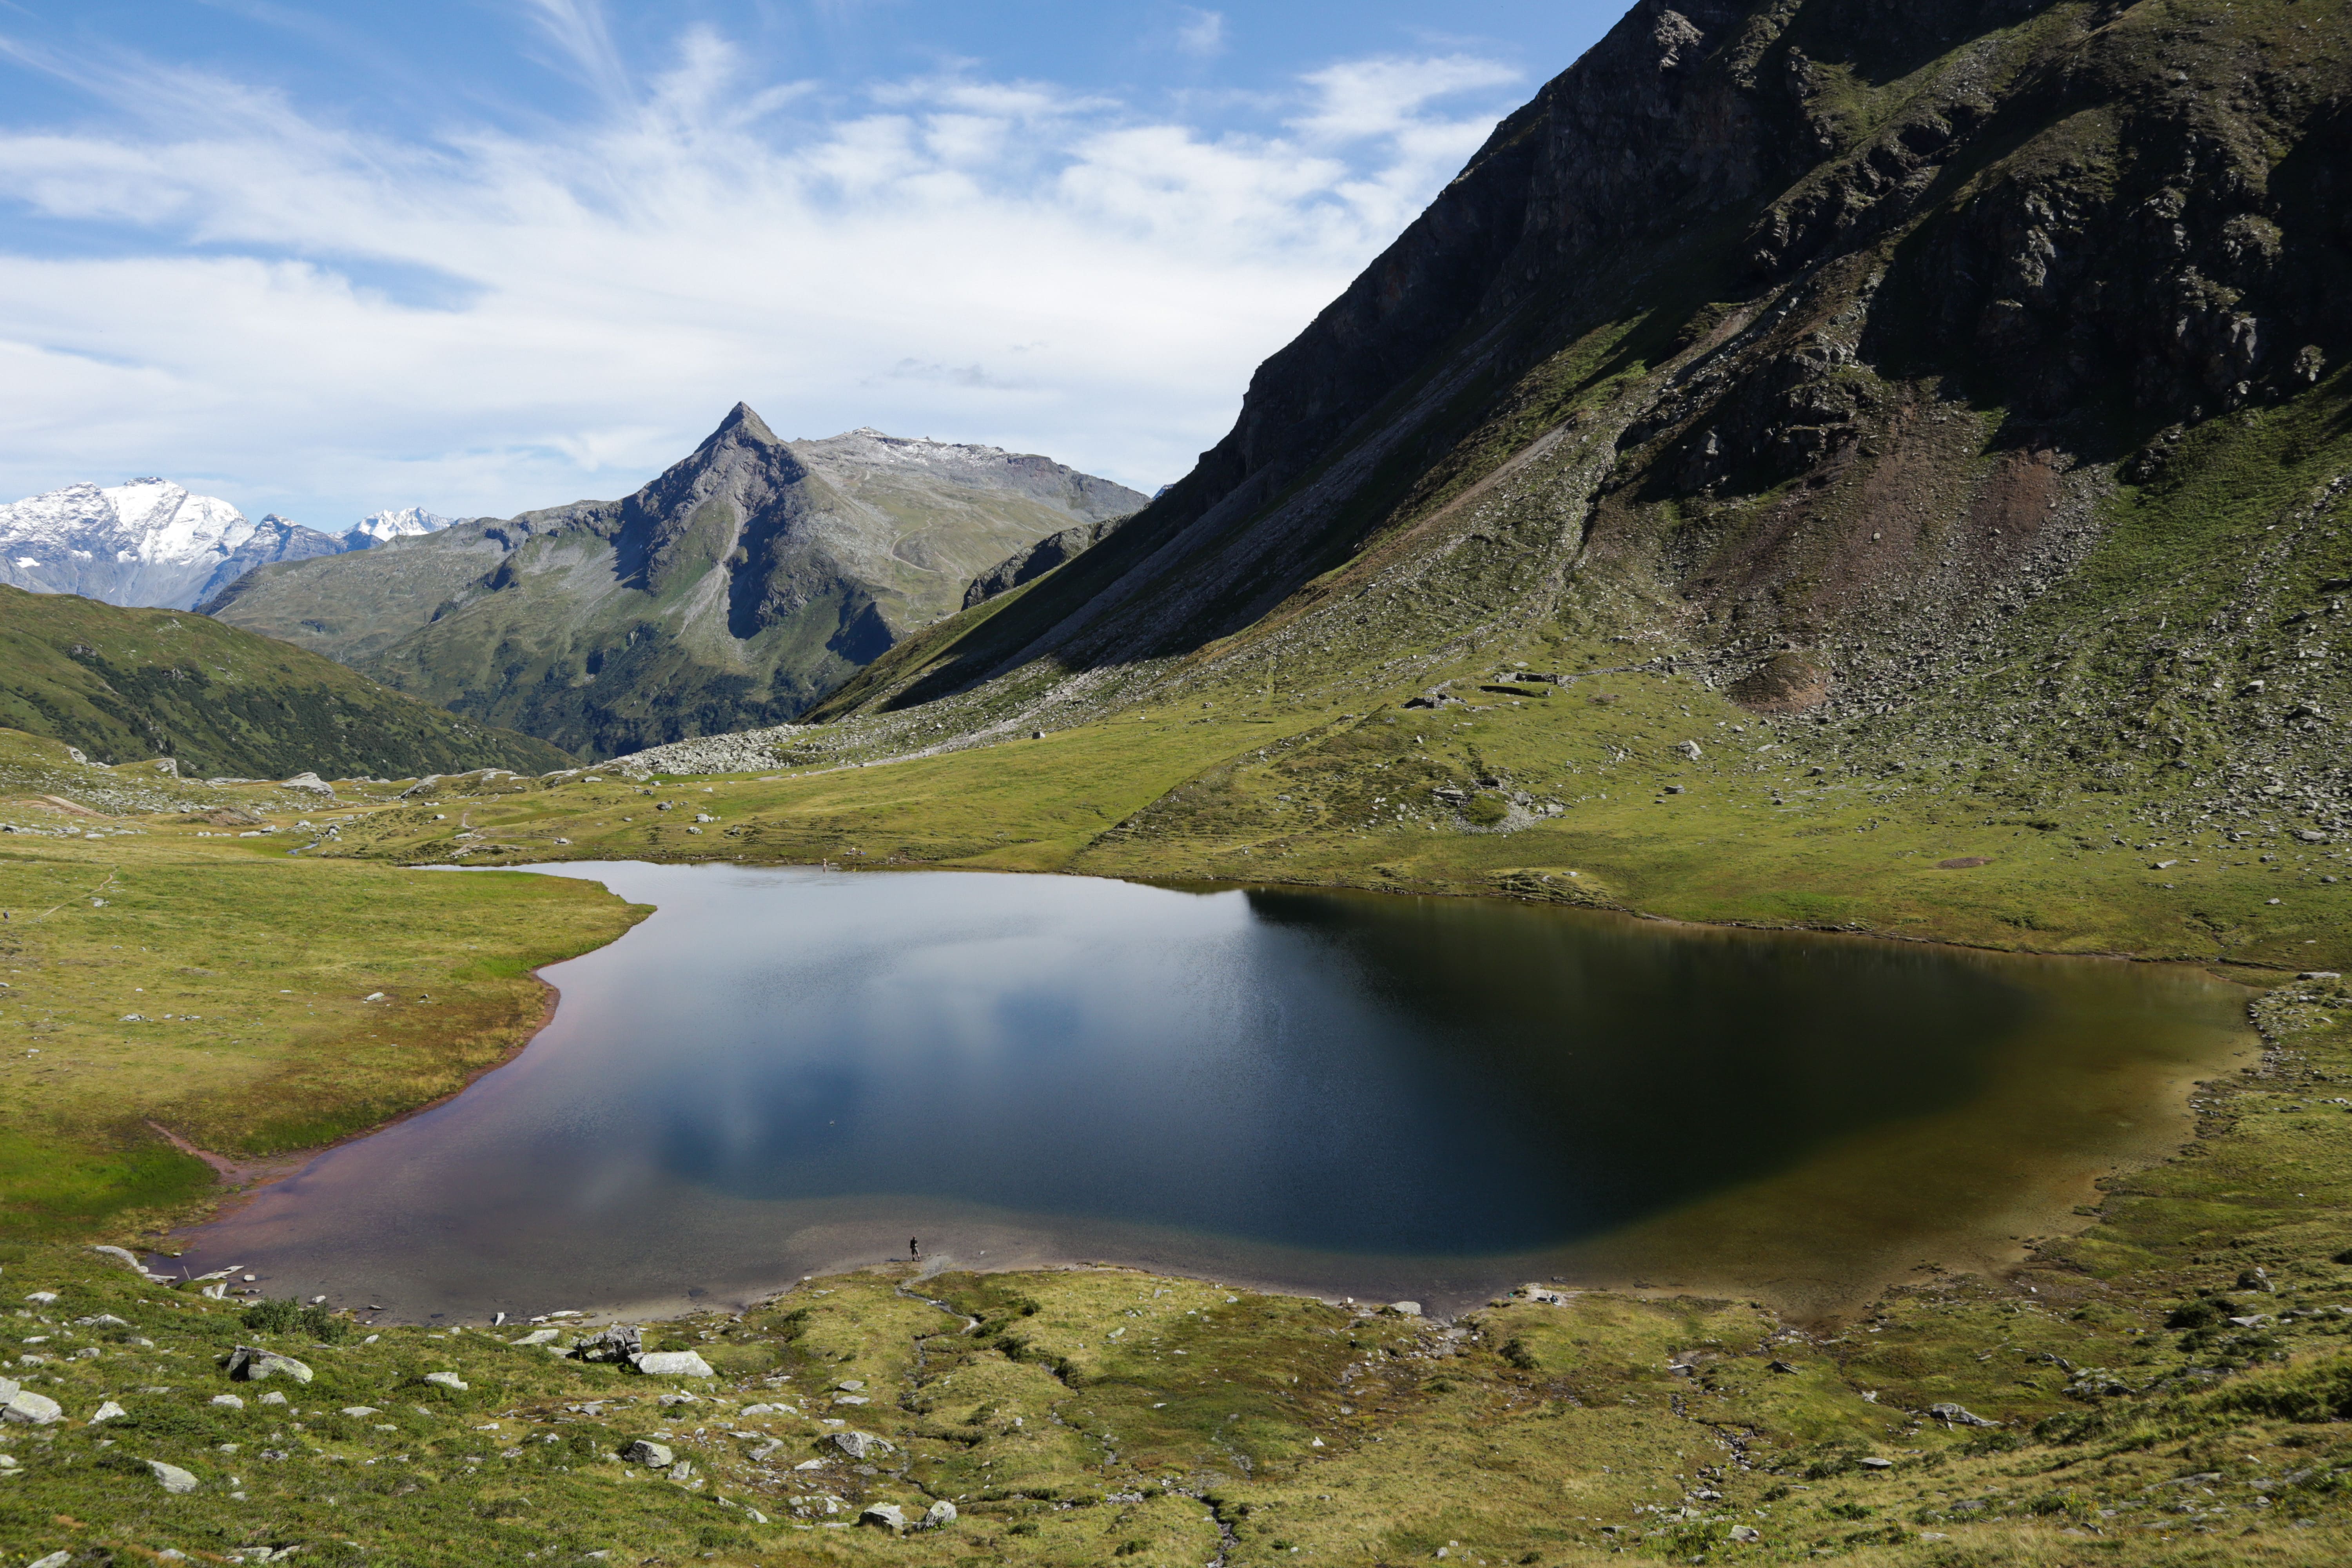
(485, 255)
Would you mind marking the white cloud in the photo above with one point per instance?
(1203, 34)
(321, 322)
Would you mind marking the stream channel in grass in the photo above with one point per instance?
(786, 1072)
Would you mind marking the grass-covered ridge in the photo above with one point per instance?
(125, 685)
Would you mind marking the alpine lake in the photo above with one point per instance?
(789, 1072)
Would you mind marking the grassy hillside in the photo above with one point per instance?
(125, 685)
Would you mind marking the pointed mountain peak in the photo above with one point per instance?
(746, 423)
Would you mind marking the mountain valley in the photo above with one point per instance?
(1864, 470)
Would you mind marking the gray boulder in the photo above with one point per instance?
(938, 1513)
(887, 1515)
(448, 1380)
(652, 1455)
(175, 1479)
(673, 1363)
(859, 1445)
(1958, 1415)
(27, 1408)
(250, 1363)
(617, 1343)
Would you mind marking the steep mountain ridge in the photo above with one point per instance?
(150, 542)
(1926, 372)
(735, 589)
(1025, 566)
(128, 684)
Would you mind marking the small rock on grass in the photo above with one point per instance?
(175, 1479)
(885, 1516)
(110, 1411)
(652, 1455)
(858, 1444)
(445, 1380)
(673, 1363)
(1958, 1415)
(937, 1514)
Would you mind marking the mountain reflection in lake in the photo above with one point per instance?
(786, 1070)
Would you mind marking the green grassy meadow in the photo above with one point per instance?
(2135, 1421)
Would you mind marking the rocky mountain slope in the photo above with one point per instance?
(734, 590)
(150, 542)
(1960, 385)
(125, 685)
(1025, 566)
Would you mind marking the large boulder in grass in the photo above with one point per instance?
(673, 1363)
(250, 1363)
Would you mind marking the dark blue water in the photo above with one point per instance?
(788, 1070)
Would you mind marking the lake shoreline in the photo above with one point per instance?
(2054, 1220)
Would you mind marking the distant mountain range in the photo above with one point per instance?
(150, 542)
(732, 592)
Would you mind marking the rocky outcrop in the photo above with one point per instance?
(1028, 566)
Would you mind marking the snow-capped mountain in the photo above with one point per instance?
(406, 523)
(148, 542)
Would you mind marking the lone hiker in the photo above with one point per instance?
(914, 1248)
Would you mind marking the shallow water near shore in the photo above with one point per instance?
(786, 1072)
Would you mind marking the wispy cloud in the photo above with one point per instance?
(608, 289)
(583, 42)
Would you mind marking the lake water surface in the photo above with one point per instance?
(785, 1072)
